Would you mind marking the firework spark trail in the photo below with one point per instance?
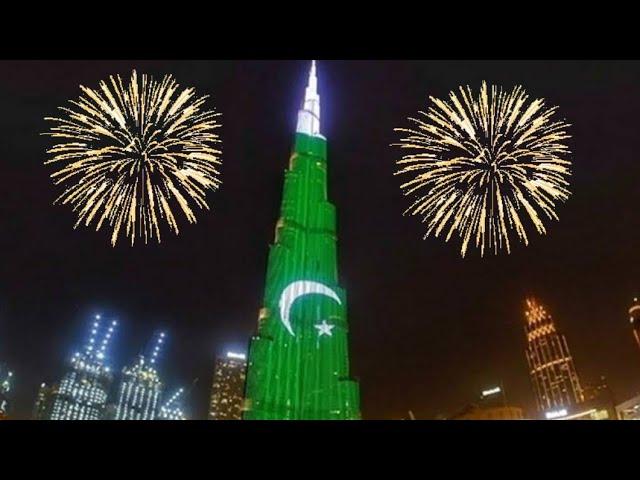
(481, 165)
(135, 155)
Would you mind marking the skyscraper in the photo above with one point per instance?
(298, 360)
(140, 388)
(83, 391)
(553, 374)
(634, 318)
(227, 390)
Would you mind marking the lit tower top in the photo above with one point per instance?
(309, 115)
(96, 349)
(634, 318)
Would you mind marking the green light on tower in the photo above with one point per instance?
(298, 361)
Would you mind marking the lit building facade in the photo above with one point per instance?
(634, 319)
(583, 411)
(6, 380)
(140, 389)
(598, 404)
(553, 374)
(298, 366)
(83, 391)
(139, 392)
(227, 391)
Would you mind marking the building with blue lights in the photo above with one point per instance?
(83, 391)
(173, 408)
(140, 389)
(6, 380)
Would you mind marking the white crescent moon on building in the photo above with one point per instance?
(297, 289)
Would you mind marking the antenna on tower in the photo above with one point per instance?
(102, 347)
(157, 345)
(91, 343)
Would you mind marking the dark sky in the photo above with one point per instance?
(429, 329)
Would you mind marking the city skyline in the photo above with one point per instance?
(229, 377)
(427, 328)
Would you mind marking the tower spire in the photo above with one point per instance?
(90, 346)
(156, 348)
(309, 114)
(101, 353)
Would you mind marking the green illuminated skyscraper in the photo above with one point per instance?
(298, 361)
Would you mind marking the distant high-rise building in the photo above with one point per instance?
(140, 388)
(553, 373)
(634, 318)
(83, 391)
(6, 379)
(44, 402)
(227, 391)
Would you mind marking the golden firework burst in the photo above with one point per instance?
(133, 155)
(480, 165)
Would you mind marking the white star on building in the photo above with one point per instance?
(324, 328)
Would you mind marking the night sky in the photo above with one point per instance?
(429, 329)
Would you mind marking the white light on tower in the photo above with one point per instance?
(309, 115)
(237, 356)
(491, 391)
(156, 349)
(556, 414)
